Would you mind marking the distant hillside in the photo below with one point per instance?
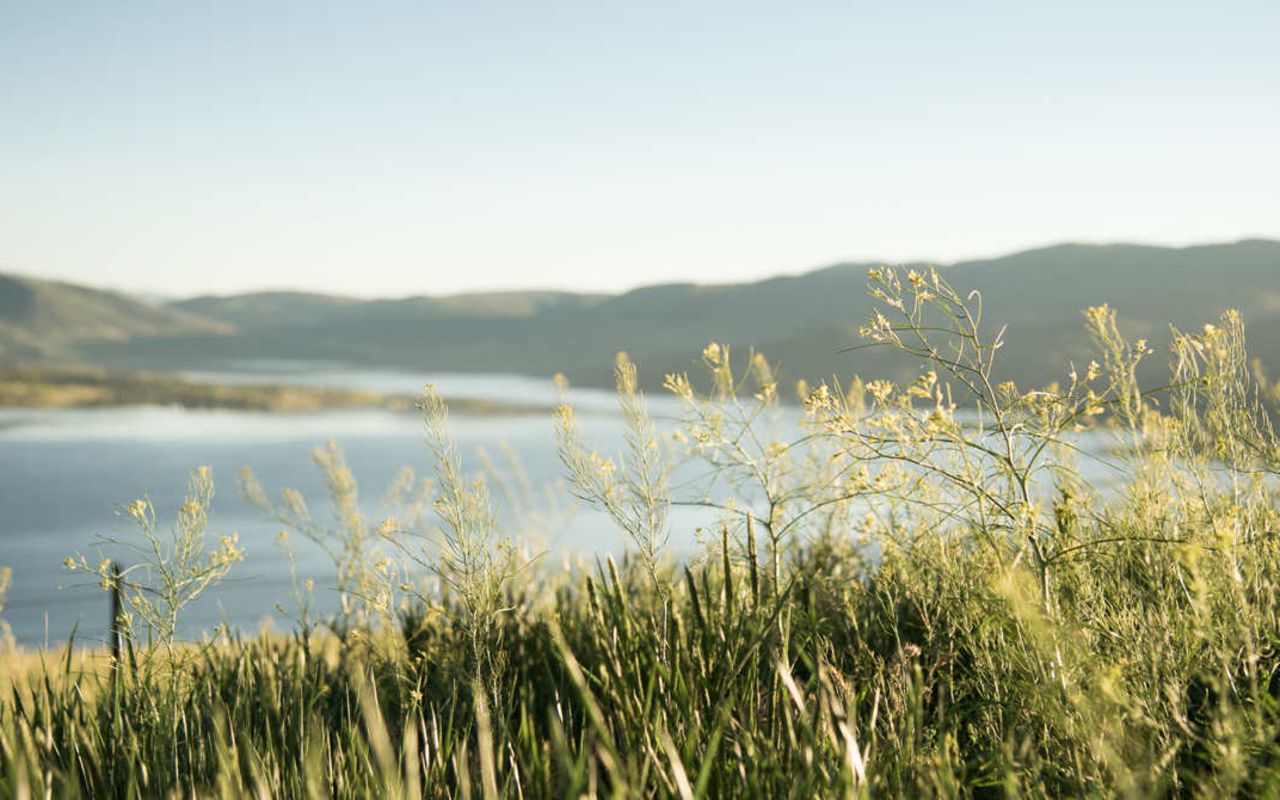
(46, 319)
(1040, 294)
(274, 308)
(263, 310)
(801, 321)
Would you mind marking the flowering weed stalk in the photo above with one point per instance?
(171, 570)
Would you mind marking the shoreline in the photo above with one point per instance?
(32, 386)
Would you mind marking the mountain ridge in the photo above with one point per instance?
(43, 319)
(803, 320)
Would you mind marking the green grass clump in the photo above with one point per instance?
(907, 591)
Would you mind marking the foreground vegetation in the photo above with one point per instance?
(913, 591)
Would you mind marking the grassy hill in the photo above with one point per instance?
(48, 319)
(802, 321)
(1040, 294)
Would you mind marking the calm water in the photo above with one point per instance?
(65, 474)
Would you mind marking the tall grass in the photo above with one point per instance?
(908, 591)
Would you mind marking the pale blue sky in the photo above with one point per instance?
(395, 148)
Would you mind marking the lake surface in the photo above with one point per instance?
(65, 474)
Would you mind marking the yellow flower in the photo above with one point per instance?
(880, 389)
(679, 386)
(228, 553)
(923, 386)
(711, 353)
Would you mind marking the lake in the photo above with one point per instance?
(65, 474)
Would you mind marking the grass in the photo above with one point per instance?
(904, 594)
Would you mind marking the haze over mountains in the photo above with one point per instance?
(802, 322)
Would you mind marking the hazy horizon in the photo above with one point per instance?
(448, 147)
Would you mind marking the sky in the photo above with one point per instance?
(380, 148)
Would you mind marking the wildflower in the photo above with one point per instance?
(818, 399)
(294, 503)
(679, 385)
(764, 378)
(1093, 405)
(711, 354)
(625, 372)
(228, 552)
(603, 465)
(924, 385)
(880, 390)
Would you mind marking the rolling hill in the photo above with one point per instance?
(48, 320)
(802, 321)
